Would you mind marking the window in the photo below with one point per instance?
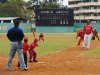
(6, 21)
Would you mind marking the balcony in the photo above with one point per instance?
(78, 11)
(76, 17)
(99, 10)
(73, 6)
(84, 4)
(79, 17)
(88, 4)
(91, 10)
(99, 17)
(91, 3)
(74, 0)
(87, 11)
(86, 17)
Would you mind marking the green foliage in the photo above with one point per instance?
(3, 1)
(15, 8)
(49, 5)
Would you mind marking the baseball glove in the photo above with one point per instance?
(93, 37)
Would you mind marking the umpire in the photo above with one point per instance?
(15, 35)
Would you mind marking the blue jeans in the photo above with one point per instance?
(16, 46)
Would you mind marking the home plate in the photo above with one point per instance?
(41, 62)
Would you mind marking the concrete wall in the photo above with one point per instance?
(54, 29)
(5, 26)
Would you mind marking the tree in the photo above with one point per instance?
(49, 5)
(3, 1)
(15, 8)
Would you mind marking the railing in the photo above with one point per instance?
(86, 17)
(84, 4)
(72, 6)
(74, 0)
(87, 11)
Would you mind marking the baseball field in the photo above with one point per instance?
(57, 55)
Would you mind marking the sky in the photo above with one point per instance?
(65, 2)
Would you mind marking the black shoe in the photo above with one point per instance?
(35, 61)
(30, 60)
(25, 69)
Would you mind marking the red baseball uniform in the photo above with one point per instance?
(88, 29)
(25, 47)
(87, 35)
(33, 45)
(41, 37)
(95, 33)
(81, 35)
(32, 52)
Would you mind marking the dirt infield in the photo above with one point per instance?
(66, 62)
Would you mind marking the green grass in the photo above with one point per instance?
(92, 53)
(53, 42)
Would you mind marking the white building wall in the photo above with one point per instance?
(85, 10)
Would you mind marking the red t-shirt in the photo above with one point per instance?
(25, 47)
(80, 34)
(33, 45)
(41, 36)
(87, 29)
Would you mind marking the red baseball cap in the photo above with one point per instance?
(36, 39)
(25, 38)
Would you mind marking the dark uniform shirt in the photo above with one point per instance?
(15, 34)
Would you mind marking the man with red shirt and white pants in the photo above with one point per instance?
(87, 29)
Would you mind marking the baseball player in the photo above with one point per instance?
(33, 33)
(87, 29)
(41, 37)
(25, 49)
(95, 34)
(80, 34)
(32, 51)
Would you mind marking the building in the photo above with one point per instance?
(85, 9)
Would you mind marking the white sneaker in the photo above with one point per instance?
(25, 69)
(9, 69)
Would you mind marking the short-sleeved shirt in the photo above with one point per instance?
(41, 36)
(32, 45)
(88, 29)
(80, 34)
(25, 47)
(15, 34)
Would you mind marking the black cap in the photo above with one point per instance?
(16, 22)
